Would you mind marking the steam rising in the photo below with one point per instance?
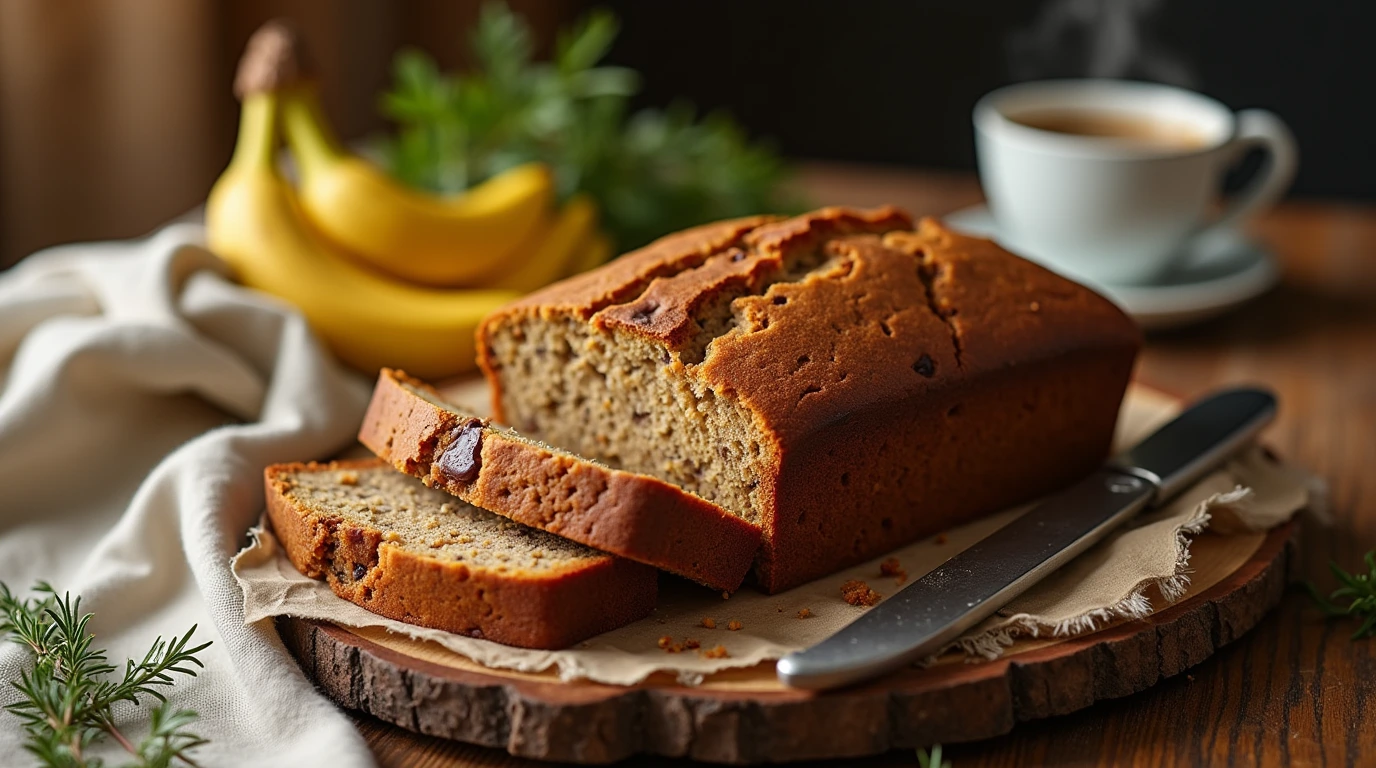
(1095, 38)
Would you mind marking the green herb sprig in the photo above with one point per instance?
(68, 701)
(651, 172)
(1359, 590)
(931, 759)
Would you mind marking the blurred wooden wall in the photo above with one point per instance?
(116, 115)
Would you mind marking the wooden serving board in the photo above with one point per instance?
(745, 715)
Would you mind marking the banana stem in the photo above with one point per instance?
(307, 131)
(257, 142)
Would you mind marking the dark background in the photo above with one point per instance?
(888, 81)
(116, 115)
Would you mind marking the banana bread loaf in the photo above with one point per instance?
(844, 379)
(634, 516)
(386, 542)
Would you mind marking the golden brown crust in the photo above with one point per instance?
(909, 379)
(1006, 310)
(615, 282)
(634, 516)
(546, 609)
(619, 280)
(793, 385)
(665, 310)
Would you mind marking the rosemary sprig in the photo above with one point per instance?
(68, 701)
(651, 171)
(1359, 590)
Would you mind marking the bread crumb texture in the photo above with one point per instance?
(893, 568)
(634, 516)
(689, 644)
(857, 592)
(409, 514)
(386, 542)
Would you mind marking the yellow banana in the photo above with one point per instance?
(439, 241)
(554, 249)
(253, 222)
(594, 254)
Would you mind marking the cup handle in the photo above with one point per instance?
(1261, 129)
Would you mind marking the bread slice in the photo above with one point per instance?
(634, 516)
(849, 380)
(386, 542)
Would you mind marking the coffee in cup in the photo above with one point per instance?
(1133, 129)
(1110, 180)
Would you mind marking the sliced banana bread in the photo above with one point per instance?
(845, 379)
(634, 516)
(386, 542)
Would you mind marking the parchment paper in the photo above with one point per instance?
(1111, 580)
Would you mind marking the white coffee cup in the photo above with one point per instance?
(1114, 209)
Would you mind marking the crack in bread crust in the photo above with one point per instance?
(689, 309)
(929, 274)
(626, 278)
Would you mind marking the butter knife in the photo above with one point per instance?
(923, 618)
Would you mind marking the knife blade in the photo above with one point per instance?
(924, 617)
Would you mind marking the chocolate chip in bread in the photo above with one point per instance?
(631, 515)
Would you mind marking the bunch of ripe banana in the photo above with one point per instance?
(386, 275)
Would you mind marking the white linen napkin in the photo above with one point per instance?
(141, 394)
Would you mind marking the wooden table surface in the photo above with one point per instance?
(1296, 690)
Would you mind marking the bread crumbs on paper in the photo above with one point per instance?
(669, 646)
(857, 592)
(709, 623)
(716, 653)
(940, 539)
(691, 644)
(806, 613)
(892, 567)
(734, 626)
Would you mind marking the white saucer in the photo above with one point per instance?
(1227, 271)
